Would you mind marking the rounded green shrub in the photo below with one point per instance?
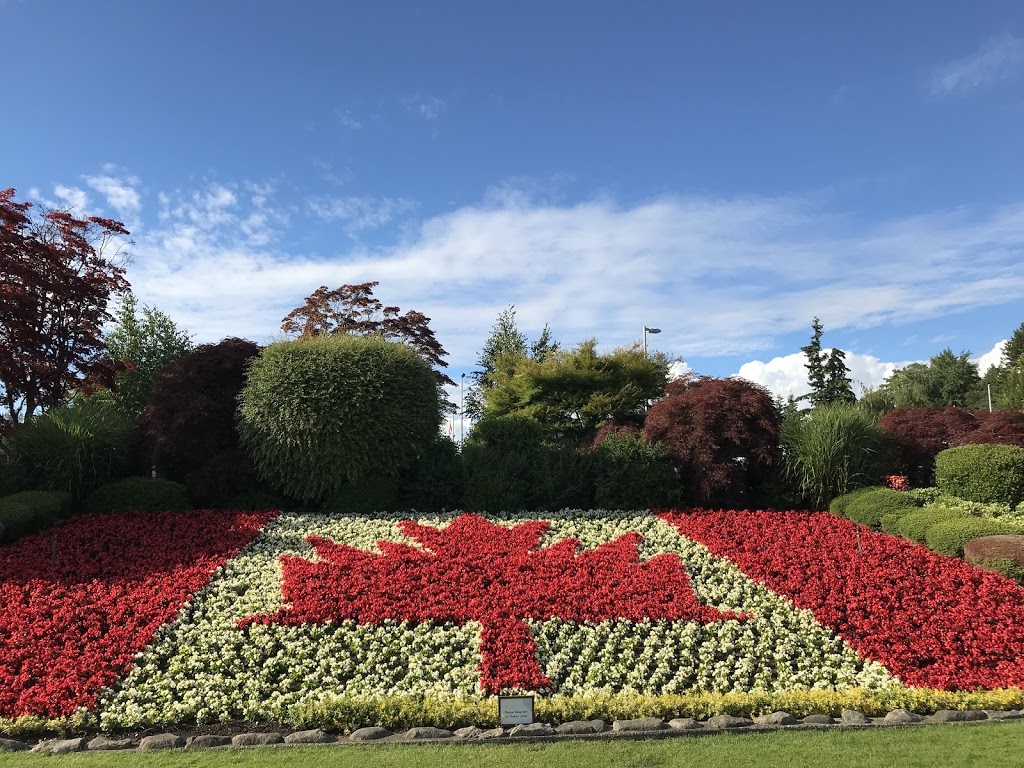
(17, 519)
(566, 478)
(138, 494)
(52, 505)
(631, 473)
(503, 457)
(949, 537)
(868, 508)
(840, 503)
(914, 525)
(363, 497)
(435, 482)
(990, 474)
(29, 511)
(321, 413)
(255, 501)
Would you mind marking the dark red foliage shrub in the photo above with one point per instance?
(225, 476)
(1000, 427)
(191, 418)
(621, 430)
(722, 435)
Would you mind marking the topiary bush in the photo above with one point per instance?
(990, 474)
(435, 482)
(566, 478)
(869, 507)
(632, 473)
(17, 519)
(73, 448)
(503, 457)
(138, 494)
(840, 503)
(29, 511)
(914, 526)
(318, 414)
(949, 537)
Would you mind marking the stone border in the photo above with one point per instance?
(644, 727)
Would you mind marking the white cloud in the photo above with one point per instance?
(120, 192)
(359, 214)
(679, 369)
(785, 376)
(993, 357)
(997, 60)
(75, 198)
(346, 120)
(427, 107)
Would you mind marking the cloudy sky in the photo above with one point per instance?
(722, 171)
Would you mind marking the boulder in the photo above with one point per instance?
(1003, 714)
(493, 733)
(107, 743)
(640, 725)
(776, 718)
(59, 746)
(728, 721)
(162, 741)
(685, 724)
(902, 717)
(1010, 547)
(852, 717)
(206, 741)
(371, 733)
(10, 745)
(577, 727)
(256, 739)
(956, 716)
(313, 736)
(427, 732)
(532, 729)
(469, 732)
(819, 720)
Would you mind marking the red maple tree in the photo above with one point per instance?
(55, 282)
(475, 570)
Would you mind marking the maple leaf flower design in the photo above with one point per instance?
(475, 570)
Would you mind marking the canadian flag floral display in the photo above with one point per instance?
(205, 616)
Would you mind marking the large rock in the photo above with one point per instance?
(640, 725)
(312, 736)
(956, 716)
(371, 733)
(107, 743)
(902, 717)
(162, 741)
(206, 741)
(819, 720)
(578, 727)
(493, 733)
(1011, 548)
(532, 729)
(256, 739)
(685, 724)
(853, 717)
(10, 745)
(776, 718)
(729, 721)
(427, 732)
(469, 732)
(59, 746)
(1003, 714)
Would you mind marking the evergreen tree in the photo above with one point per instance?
(1014, 349)
(838, 387)
(826, 373)
(815, 364)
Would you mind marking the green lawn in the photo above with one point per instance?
(974, 744)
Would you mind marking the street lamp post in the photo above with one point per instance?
(646, 331)
(462, 410)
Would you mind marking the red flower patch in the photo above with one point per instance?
(474, 570)
(78, 602)
(933, 621)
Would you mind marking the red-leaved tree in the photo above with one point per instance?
(353, 309)
(722, 435)
(55, 284)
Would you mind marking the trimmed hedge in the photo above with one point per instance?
(632, 473)
(871, 505)
(504, 460)
(138, 494)
(839, 504)
(990, 474)
(435, 482)
(949, 537)
(30, 511)
(915, 525)
(363, 497)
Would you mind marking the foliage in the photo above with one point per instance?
(827, 374)
(947, 379)
(572, 393)
(935, 497)
(228, 474)
(322, 412)
(832, 450)
(138, 494)
(353, 310)
(28, 511)
(144, 347)
(435, 482)
(917, 435)
(190, 420)
(632, 473)
(839, 504)
(721, 434)
(870, 507)
(503, 457)
(914, 526)
(376, 493)
(257, 501)
(949, 537)
(1005, 566)
(57, 283)
(73, 448)
(990, 474)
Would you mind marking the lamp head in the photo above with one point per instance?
(652, 330)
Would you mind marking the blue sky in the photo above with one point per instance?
(723, 171)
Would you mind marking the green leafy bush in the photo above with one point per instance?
(833, 450)
(631, 473)
(949, 537)
(869, 507)
(362, 497)
(566, 478)
(990, 474)
(435, 482)
(257, 500)
(914, 526)
(17, 520)
(933, 496)
(28, 511)
(840, 503)
(140, 494)
(73, 448)
(1006, 567)
(320, 413)
(503, 457)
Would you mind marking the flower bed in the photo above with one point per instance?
(320, 616)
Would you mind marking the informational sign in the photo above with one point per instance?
(515, 710)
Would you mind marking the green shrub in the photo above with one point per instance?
(1006, 567)
(503, 457)
(257, 500)
(138, 494)
(365, 496)
(840, 503)
(318, 414)
(566, 478)
(435, 482)
(990, 474)
(49, 504)
(949, 537)
(631, 473)
(17, 520)
(29, 511)
(831, 451)
(73, 448)
(914, 525)
(869, 507)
